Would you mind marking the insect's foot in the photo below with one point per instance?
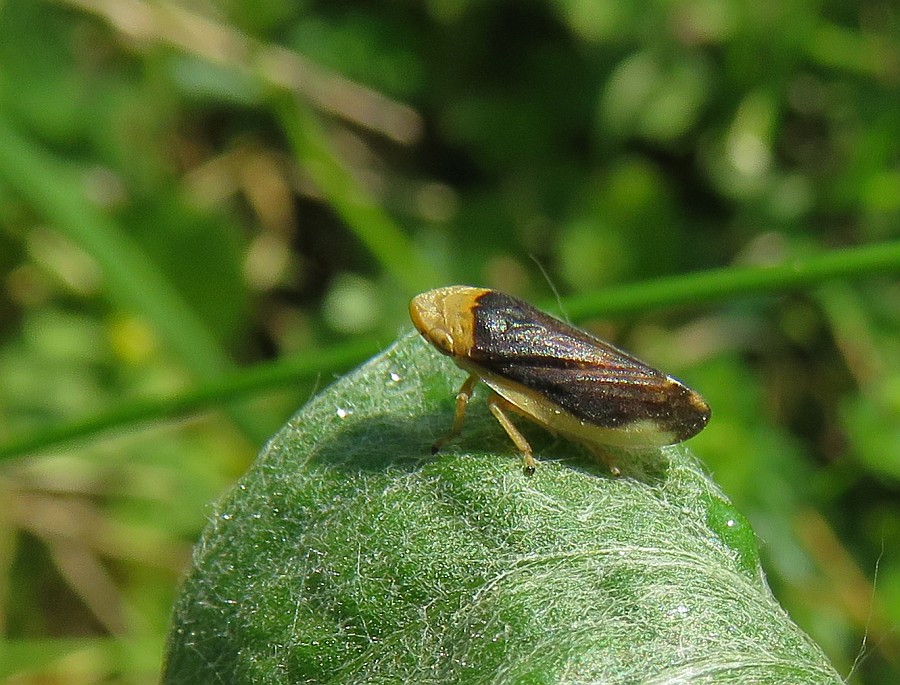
(530, 464)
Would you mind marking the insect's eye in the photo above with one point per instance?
(442, 339)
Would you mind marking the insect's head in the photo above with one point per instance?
(444, 317)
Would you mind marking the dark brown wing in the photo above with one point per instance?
(587, 377)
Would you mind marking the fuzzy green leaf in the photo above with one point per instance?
(349, 554)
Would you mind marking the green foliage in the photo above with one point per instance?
(207, 210)
(347, 555)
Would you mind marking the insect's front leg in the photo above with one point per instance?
(497, 404)
(462, 401)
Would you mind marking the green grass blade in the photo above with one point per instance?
(233, 386)
(671, 291)
(387, 243)
(734, 281)
(132, 280)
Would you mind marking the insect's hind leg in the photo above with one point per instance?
(462, 401)
(607, 457)
(497, 404)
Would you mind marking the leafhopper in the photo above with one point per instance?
(560, 377)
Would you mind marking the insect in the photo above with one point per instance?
(554, 374)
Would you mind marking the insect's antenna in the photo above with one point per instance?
(863, 647)
(559, 302)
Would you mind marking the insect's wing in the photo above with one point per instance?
(586, 377)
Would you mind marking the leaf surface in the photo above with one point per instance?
(349, 554)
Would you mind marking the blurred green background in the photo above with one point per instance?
(210, 209)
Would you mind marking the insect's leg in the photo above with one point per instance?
(607, 457)
(462, 401)
(497, 404)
